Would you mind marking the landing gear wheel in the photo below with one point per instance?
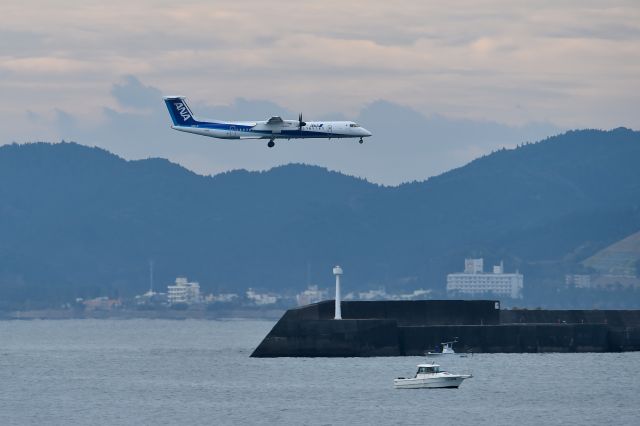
(360, 141)
(271, 144)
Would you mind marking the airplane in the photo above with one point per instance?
(271, 129)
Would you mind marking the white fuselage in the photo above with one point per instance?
(271, 129)
(288, 129)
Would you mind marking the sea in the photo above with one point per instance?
(198, 372)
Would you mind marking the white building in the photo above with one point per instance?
(150, 298)
(221, 298)
(260, 299)
(578, 280)
(473, 266)
(475, 281)
(183, 292)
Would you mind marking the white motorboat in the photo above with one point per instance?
(430, 376)
(447, 349)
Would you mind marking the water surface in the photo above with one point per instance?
(197, 372)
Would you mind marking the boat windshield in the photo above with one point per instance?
(427, 370)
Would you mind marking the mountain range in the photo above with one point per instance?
(78, 221)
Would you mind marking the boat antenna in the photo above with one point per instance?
(150, 276)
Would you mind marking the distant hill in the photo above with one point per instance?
(621, 258)
(81, 222)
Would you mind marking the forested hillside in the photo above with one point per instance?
(80, 222)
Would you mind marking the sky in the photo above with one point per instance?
(438, 83)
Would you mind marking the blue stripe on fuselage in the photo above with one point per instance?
(247, 130)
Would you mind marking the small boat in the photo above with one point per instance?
(447, 349)
(429, 376)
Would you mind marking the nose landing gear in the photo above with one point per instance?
(271, 143)
(360, 141)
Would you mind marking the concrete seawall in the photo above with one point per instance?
(396, 328)
(622, 318)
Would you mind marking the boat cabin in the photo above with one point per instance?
(447, 347)
(428, 369)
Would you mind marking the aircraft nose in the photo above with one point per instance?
(365, 132)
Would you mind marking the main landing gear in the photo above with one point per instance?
(271, 143)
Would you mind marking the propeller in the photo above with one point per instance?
(300, 122)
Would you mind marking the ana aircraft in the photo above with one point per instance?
(271, 129)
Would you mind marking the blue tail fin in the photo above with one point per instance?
(180, 112)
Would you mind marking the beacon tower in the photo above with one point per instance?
(337, 271)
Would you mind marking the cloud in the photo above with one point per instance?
(33, 117)
(458, 61)
(24, 42)
(46, 65)
(244, 109)
(132, 93)
(489, 65)
(64, 121)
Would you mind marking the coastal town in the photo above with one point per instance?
(185, 298)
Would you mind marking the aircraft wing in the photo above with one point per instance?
(275, 120)
(251, 137)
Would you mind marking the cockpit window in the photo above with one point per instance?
(353, 125)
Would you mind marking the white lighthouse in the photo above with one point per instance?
(337, 271)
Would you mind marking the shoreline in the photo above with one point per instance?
(125, 314)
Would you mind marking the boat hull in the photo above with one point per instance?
(450, 381)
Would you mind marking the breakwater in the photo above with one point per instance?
(397, 328)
